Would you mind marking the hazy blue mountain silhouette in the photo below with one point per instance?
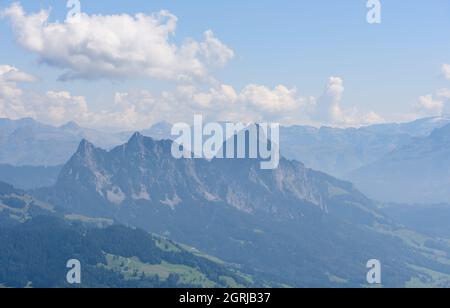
(340, 151)
(27, 142)
(418, 172)
(335, 151)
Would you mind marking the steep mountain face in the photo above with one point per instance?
(37, 240)
(292, 225)
(340, 151)
(144, 170)
(416, 173)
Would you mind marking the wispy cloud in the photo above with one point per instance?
(438, 103)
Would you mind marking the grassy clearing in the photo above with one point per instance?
(429, 279)
(133, 268)
(166, 245)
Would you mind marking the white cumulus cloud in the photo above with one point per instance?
(51, 107)
(11, 105)
(436, 104)
(116, 46)
(329, 109)
(139, 109)
(60, 107)
(428, 105)
(445, 70)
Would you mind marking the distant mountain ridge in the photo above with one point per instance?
(340, 151)
(28, 142)
(27, 147)
(418, 172)
(335, 151)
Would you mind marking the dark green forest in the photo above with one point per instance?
(35, 254)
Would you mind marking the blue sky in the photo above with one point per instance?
(298, 44)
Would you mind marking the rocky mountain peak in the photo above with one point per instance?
(85, 147)
(136, 137)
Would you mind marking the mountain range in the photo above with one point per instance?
(384, 161)
(335, 151)
(340, 151)
(27, 142)
(418, 172)
(292, 226)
